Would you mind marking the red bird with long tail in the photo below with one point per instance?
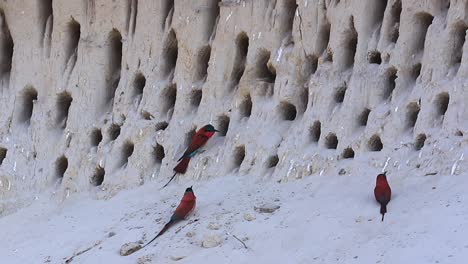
(198, 140)
(187, 204)
(382, 193)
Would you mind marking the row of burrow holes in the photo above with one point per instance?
(264, 72)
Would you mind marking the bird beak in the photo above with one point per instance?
(216, 130)
(385, 173)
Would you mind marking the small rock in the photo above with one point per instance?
(210, 241)
(267, 208)
(129, 248)
(213, 226)
(249, 217)
(342, 172)
(111, 234)
(190, 234)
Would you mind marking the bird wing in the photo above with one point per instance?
(198, 141)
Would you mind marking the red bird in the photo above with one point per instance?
(187, 204)
(382, 193)
(198, 140)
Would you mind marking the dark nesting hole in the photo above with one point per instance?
(315, 131)
(98, 176)
(3, 153)
(441, 103)
(96, 137)
(195, 98)
(331, 141)
(324, 38)
(45, 12)
(239, 155)
(127, 151)
(161, 126)
(6, 45)
(340, 94)
(364, 117)
(412, 112)
(28, 96)
(159, 154)
(416, 71)
(422, 23)
(166, 7)
(223, 125)
(61, 166)
(287, 17)
(348, 153)
(350, 45)
(114, 131)
(390, 82)
(242, 47)
(380, 10)
(72, 38)
(458, 133)
(272, 161)
(169, 55)
(459, 37)
(212, 18)
(419, 142)
(311, 65)
(201, 66)
(374, 57)
(288, 111)
(189, 136)
(395, 13)
(139, 84)
(169, 95)
(246, 106)
(146, 115)
(375, 143)
(64, 101)
(114, 62)
(265, 70)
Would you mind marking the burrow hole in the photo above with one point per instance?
(373, 57)
(61, 166)
(340, 94)
(161, 126)
(348, 153)
(223, 124)
(419, 142)
(459, 37)
(6, 45)
(458, 133)
(264, 68)
(139, 83)
(169, 98)
(212, 19)
(395, 13)
(146, 115)
(390, 82)
(127, 151)
(238, 156)
(45, 13)
(416, 71)
(167, 8)
(287, 17)
(315, 131)
(201, 66)
(158, 153)
(412, 112)
(96, 137)
(72, 39)
(375, 143)
(98, 176)
(114, 131)
(331, 141)
(350, 45)
(195, 98)
(114, 60)
(3, 153)
(64, 101)
(380, 10)
(311, 65)
(422, 23)
(169, 55)
(242, 47)
(245, 106)
(287, 111)
(28, 98)
(363, 117)
(272, 161)
(324, 39)
(189, 135)
(441, 103)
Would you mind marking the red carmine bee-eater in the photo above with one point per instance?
(382, 193)
(198, 140)
(187, 204)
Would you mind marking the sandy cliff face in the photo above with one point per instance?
(101, 95)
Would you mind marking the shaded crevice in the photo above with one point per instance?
(419, 142)
(375, 143)
(45, 10)
(3, 153)
(394, 29)
(139, 83)
(264, 68)
(422, 22)
(240, 57)
(350, 45)
(373, 57)
(416, 71)
(331, 141)
(167, 9)
(98, 176)
(441, 103)
(127, 151)
(189, 135)
(348, 153)
(64, 101)
(311, 65)
(161, 126)
(114, 64)
(238, 156)
(61, 166)
(27, 99)
(158, 153)
(287, 17)
(72, 39)
(304, 99)
(201, 65)
(323, 39)
(6, 47)
(315, 131)
(169, 96)
(458, 38)
(114, 131)
(132, 13)
(272, 161)
(170, 52)
(96, 137)
(363, 117)
(287, 111)
(212, 19)
(195, 98)
(245, 106)
(223, 125)
(340, 94)
(412, 112)
(390, 82)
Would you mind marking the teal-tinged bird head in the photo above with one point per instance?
(189, 189)
(210, 128)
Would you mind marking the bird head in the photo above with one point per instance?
(189, 189)
(210, 128)
(382, 176)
